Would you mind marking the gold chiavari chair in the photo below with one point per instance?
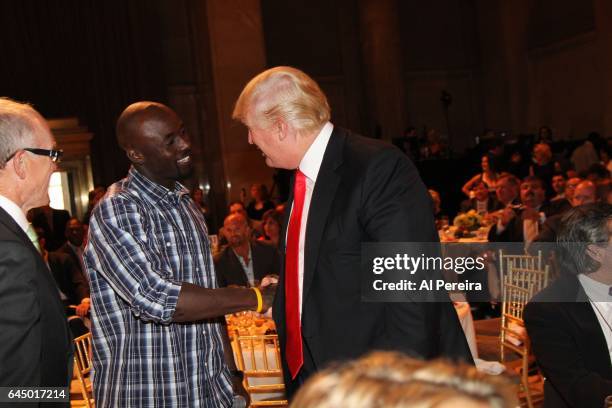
(514, 339)
(83, 365)
(259, 358)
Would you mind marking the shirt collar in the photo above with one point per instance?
(153, 191)
(15, 212)
(596, 291)
(311, 162)
(74, 247)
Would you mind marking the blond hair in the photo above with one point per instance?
(283, 93)
(393, 380)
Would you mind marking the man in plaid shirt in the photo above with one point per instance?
(158, 335)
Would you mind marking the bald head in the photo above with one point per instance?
(236, 230)
(155, 141)
(134, 118)
(585, 193)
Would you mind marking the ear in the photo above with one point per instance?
(282, 128)
(135, 156)
(596, 252)
(20, 165)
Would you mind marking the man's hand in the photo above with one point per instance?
(506, 216)
(267, 294)
(83, 308)
(269, 280)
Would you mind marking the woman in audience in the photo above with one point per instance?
(260, 203)
(393, 380)
(488, 176)
(271, 222)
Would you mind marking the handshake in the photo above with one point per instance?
(267, 288)
(265, 293)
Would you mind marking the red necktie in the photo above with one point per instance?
(294, 355)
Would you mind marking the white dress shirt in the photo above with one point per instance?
(601, 302)
(15, 212)
(310, 166)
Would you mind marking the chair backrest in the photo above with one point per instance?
(83, 364)
(259, 358)
(522, 261)
(516, 299)
(528, 278)
(506, 261)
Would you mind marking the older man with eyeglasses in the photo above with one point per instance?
(35, 342)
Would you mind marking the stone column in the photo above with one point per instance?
(603, 27)
(383, 71)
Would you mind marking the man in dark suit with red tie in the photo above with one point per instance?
(347, 190)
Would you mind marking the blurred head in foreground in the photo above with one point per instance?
(393, 380)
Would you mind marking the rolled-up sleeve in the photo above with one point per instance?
(121, 253)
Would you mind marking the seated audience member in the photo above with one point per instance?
(76, 236)
(605, 158)
(545, 135)
(562, 205)
(271, 223)
(558, 185)
(481, 202)
(488, 176)
(543, 166)
(507, 191)
(95, 195)
(585, 155)
(523, 224)
(260, 203)
(440, 217)
(569, 321)
(53, 223)
(585, 193)
(197, 195)
(393, 380)
(73, 288)
(604, 187)
(244, 262)
(236, 207)
(597, 172)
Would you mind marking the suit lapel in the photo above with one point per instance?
(10, 223)
(584, 314)
(320, 204)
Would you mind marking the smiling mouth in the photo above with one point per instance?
(184, 160)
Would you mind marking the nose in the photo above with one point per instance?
(184, 142)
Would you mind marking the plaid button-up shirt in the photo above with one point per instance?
(144, 240)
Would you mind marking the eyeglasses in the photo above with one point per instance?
(55, 155)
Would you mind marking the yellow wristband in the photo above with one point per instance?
(259, 300)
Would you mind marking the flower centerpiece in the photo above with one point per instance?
(466, 222)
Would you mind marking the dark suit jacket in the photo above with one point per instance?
(514, 230)
(55, 234)
(67, 249)
(68, 277)
(35, 342)
(366, 191)
(559, 206)
(569, 346)
(266, 261)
